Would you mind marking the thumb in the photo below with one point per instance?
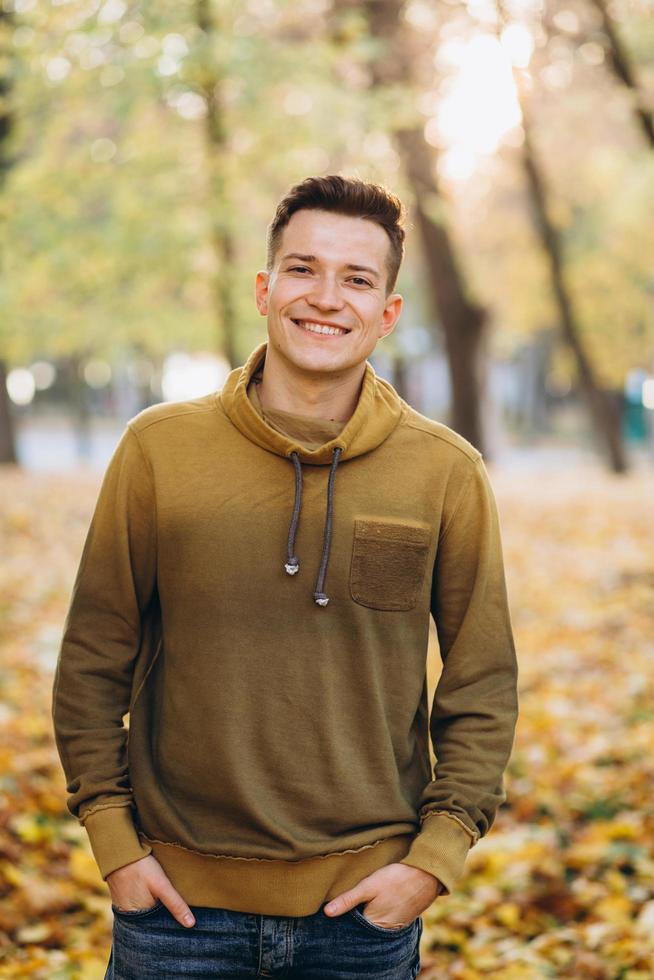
(348, 900)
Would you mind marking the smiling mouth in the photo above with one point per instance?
(321, 329)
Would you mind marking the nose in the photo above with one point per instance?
(325, 295)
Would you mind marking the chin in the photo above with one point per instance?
(319, 365)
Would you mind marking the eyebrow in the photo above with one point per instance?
(312, 258)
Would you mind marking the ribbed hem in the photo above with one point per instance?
(441, 848)
(113, 838)
(270, 887)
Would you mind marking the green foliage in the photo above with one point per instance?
(108, 211)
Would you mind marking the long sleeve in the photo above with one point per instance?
(475, 705)
(115, 583)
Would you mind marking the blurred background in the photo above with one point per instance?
(143, 149)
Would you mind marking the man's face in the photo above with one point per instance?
(325, 297)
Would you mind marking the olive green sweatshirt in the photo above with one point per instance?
(260, 611)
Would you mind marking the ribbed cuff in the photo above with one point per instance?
(441, 848)
(113, 838)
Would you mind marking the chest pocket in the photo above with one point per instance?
(388, 564)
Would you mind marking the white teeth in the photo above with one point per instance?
(320, 328)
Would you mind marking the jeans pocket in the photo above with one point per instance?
(137, 913)
(383, 930)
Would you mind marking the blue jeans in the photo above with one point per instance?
(231, 945)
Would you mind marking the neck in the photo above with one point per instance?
(329, 397)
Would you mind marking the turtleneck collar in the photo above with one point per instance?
(378, 412)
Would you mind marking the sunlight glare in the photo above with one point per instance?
(457, 163)
(479, 105)
(518, 44)
(20, 386)
(192, 375)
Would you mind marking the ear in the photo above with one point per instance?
(262, 283)
(391, 314)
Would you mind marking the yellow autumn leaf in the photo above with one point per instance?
(84, 869)
(508, 913)
(33, 933)
(12, 873)
(92, 968)
(31, 829)
(615, 909)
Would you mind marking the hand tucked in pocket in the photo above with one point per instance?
(138, 885)
(396, 895)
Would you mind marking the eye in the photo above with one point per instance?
(359, 279)
(299, 268)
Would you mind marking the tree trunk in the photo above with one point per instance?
(7, 434)
(7, 439)
(400, 376)
(462, 322)
(217, 153)
(78, 399)
(602, 404)
(620, 64)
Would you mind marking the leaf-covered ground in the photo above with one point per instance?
(562, 886)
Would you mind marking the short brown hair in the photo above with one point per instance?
(344, 195)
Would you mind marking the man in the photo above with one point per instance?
(255, 590)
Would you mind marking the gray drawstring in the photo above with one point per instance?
(319, 596)
(292, 565)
